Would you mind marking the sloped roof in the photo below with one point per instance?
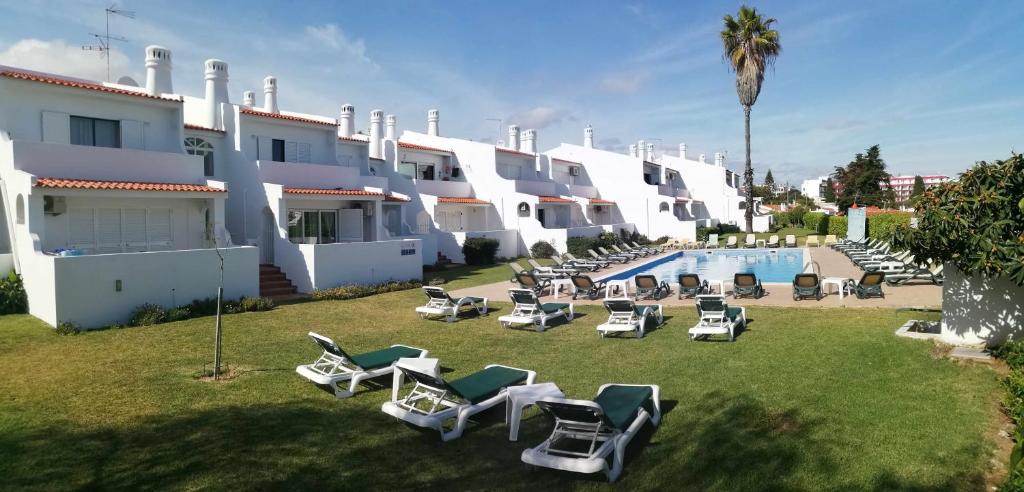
(91, 184)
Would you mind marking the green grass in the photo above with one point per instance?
(806, 399)
(462, 276)
(800, 233)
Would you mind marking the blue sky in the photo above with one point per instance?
(936, 84)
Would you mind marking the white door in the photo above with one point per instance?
(350, 225)
(108, 231)
(134, 230)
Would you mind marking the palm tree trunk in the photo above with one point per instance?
(748, 173)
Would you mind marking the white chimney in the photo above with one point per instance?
(588, 137)
(248, 99)
(641, 150)
(432, 116)
(650, 151)
(529, 143)
(216, 91)
(701, 159)
(632, 150)
(347, 125)
(158, 70)
(389, 128)
(270, 95)
(513, 137)
(376, 117)
(682, 150)
(719, 159)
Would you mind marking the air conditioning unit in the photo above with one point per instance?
(598, 209)
(54, 205)
(574, 171)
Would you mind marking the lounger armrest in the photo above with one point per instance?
(531, 376)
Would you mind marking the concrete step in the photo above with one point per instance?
(275, 284)
(277, 291)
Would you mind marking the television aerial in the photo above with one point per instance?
(103, 40)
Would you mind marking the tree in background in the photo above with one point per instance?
(829, 193)
(865, 181)
(769, 182)
(918, 187)
(751, 46)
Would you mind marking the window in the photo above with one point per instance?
(95, 132)
(277, 150)
(198, 146)
(313, 226)
(426, 171)
(524, 209)
(120, 230)
(407, 169)
(508, 171)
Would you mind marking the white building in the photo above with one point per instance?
(811, 188)
(903, 186)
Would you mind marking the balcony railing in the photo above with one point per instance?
(85, 162)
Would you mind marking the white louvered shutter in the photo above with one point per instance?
(160, 229)
(305, 150)
(108, 230)
(291, 150)
(135, 230)
(82, 229)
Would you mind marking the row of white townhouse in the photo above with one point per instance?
(115, 195)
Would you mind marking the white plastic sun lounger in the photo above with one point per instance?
(731, 242)
(750, 241)
(336, 366)
(439, 303)
(717, 318)
(599, 429)
(625, 316)
(433, 401)
(528, 310)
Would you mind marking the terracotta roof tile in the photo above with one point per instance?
(553, 199)
(567, 161)
(332, 191)
(680, 199)
(600, 201)
(353, 140)
(285, 117)
(463, 200)
(189, 126)
(48, 79)
(516, 152)
(90, 184)
(407, 145)
(391, 197)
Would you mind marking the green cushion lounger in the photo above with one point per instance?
(690, 285)
(528, 280)
(554, 272)
(439, 303)
(335, 366)
(746, 285)
(618, 251)
(528, 310)
(607, 256)
(578, 266)
(869, 285)
(433, 401)
(648, 287)
(594, 261)
(655, 250)
(717, 318)
(586, 286)
(631, 250)
(932, 274)
(805, 286)
(588, 432)
(625, 316)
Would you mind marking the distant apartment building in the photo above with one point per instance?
(903, 186)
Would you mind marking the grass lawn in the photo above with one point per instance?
(800, 233)
(806, 399)
(462, 276)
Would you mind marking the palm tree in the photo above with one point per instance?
(751, 46)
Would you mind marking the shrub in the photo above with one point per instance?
(437, 281)
(67, 328)
(346, 292)
(812, 220)
(480, 250)
(661, 240)
(728, 228)
(147, 314)
(13, 299)
(578, 246)
(1012, 353)
(882, 226)
(781, 218)
(542, 249)
(203, 307)
(177, 314)
(837, 226)
(248, 305)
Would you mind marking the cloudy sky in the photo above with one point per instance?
(936, 84)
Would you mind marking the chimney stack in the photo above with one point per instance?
(701, 159)
(216, 91)
(248, 99)
(158, 70)
(719, 159)
(650, 151)
(682, 150)
(588, 137)
(270, 95)
(513, 137)
(376, 117)
(347, 123)
(432, 116)
(632, 150)
(641, 150)
(389, 128)
(529, 143)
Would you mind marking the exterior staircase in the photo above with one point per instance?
(274, 283)
(442, 259)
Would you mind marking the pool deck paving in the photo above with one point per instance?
(831, 263)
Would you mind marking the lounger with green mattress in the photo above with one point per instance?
(335, 365)
(587, 432)
(440, 303)
(625, 316)
(717, 317)
(433, 401)
(690, 285)
(528, 310)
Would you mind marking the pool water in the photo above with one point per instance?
(768, 265)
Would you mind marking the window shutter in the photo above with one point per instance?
(108, 230)
(56, 127)
(131, 135)
(82, 228)
(135, 229)
(159, 229)
(291, 152)
(305, 150)
(264, 148)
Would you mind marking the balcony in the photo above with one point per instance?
(459, 189)
(103, 163)
(306, 175)
(673, 191)
(538, 188)
(583, 191)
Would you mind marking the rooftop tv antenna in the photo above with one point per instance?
(104, 39)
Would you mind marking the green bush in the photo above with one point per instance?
(346, 292)
(796, 215)
(661, 240)
(13, 299)
(781, 218)
(248, 305)
(67, 328)
(147, 314)
(542, 249)
(812, 221)
(1012, 353)
(837, 226)
(177, 314)
(882, 226)
(480, 250)
(578, 246)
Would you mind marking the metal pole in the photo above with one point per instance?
(220, 302)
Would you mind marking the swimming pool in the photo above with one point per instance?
(769, 265)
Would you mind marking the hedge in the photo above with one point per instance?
(837, 226)
(882, 226)
(480, 250)
(816, 221)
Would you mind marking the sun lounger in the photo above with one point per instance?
(619, 251)
(690, 285)
(518, 269)
(731, 242)
(932, 274)
(528, 310)
(648, 287)
(439, 303)
(335, 366)
(746, 285)
(606, 256)
(712, 241)
(750, 241)
(869, 285)
(587, 433)
(598, 262)
(631, 251)
(546, 270)
(528, 280)
(830, 240)
(812, 241)
(625, 316)
(433, 401)
(717, 318)
(586, 286)
(652, 249)
(806, 285)
(773, 241)
(581, 266)
(790, 241)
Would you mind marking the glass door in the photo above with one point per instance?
(328, 227)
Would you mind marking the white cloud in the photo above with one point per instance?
(622, 83)
(57, 56)
(539, 117)
(334, 38)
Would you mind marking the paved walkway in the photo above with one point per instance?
(830, 262)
